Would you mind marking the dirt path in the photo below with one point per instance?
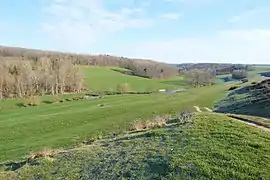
(250, 122)
(207, 109)
(197, 108)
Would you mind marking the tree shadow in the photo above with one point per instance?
(13, 166)
(21, 104)
(47, 102)
(265, 74)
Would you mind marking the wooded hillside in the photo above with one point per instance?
(139, 67)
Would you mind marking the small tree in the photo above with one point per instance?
(200, 77)
(123, 87)
(239, 74)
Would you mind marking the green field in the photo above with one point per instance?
(215, 147)
(55, 125)
(106, 79)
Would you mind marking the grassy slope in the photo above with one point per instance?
(104, 78)
(215, 147)
(240, 102)
(55, 125)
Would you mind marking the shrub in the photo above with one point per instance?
(156, 122)
(239, 74)
(123, 87)
(33, 101)
(200, 77)
(185, 117)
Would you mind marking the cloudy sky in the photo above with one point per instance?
(173, 31)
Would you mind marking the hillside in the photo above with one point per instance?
(213, 147)
(138, 67)
(107, 78)
(248, 100)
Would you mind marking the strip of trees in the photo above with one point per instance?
(220, 69)
(26, 78)
(198, 77)
(138, 67)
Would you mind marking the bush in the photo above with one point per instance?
(123, 88)
(33, 101)
(185, 117)
(200, 77)
(239, 74)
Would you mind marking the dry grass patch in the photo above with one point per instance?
(46, 153)
(156, 122)
(33, 101)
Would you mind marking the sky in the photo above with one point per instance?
(171, 31)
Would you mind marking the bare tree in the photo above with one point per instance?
(199, 77)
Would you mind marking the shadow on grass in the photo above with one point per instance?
(130, 73)
(21, 104)
(265, 74)
(226, 79)
(47, 102)
(13, 166)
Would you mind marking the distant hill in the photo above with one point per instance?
(219, 68)
(139, 67)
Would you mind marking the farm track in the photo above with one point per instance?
(241, 119)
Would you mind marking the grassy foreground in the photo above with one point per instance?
(215, 147)
(23, 130)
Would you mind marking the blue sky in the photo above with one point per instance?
(173, 31)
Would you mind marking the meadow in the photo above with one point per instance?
(23, 130)
(214, 146)
(107, 78)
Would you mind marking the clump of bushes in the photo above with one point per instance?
(185, 117)
(156, 122)
(33, 101)
(123, 88)
(239, 74)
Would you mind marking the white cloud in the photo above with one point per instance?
(82, 22)
(237, 46)
(251, 15)
(171, 16)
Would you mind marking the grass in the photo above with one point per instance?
(215, 147)
(47, 99)
(24, 130)
(242, 101)
(107, 78)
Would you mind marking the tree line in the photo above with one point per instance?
(26, 78)
(138, 67)
(218, 68)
